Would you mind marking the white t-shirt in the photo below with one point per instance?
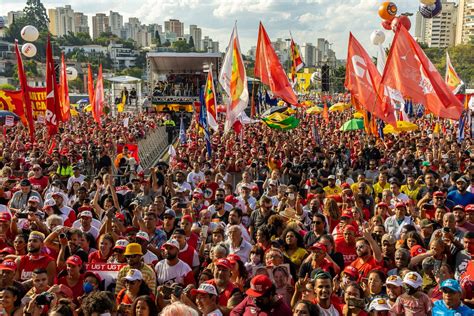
(73, 179)
(150, 258)
(331, 311)
(94, 231)
(95, 223)
(195, 177)
(166, 274)
(216, 312)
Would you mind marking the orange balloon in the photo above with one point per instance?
(388, 10)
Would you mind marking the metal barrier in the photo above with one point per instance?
(152, 147)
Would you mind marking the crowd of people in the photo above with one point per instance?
(312, 221)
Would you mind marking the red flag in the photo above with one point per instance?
(53, 107)
(270, 71)
(90, 84)
(52, 146)
(98, 104)
(363, 80)
(13, 101)
(326, 113)
(25, 93)
(296, 61)
(409, 71)
(64, 93)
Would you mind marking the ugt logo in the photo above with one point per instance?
(360, 67)
(51, 117)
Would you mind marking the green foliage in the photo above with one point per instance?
(72, 39)
(7, 86)
(339, 78)
(35, 14)
(181, 46)
(133, 72)
(191, 43)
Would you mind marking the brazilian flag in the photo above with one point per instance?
(281, 121)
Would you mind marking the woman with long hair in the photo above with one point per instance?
(239, 273)
(10, 299)
(19, 243)
(294, 246)
(144, 306)
(106, 243)
(135, 286)
(332, 213)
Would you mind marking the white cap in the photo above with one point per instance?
(379, 304)
(34, 198)
(121, 244)
(394, 280)
(143, 235)
(49, 203)
(205, 288)
(171, 242)
(85, 214)
(413, 279)
(133, 275)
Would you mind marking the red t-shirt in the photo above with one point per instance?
(208, 189)
(39, 184)
(348, 252)
(192, 240)
(29, 263)
(77, 289)
(96, 257)
(364, 268)
(187, 256)
(224, 295)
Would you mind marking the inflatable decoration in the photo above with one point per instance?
(429, 11)
(377, 37)
(29, 33)
(29, 50)
(403, 20)
(388, 10)
(71, 73)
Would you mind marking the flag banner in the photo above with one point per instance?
(182, 132)
(451, 77)
(13, 101)
(132, 149)
(90, 85)
(98, 104)
(210, 100)
(296, 62)
(381, 59)
(108, 272)
(363, 80)
(53, 106)
(203, 122)
(233, 80)
(270, 101)
(64, 92)
(462, 124)
(26, 97)
(409, 71)
(269, 70)
(281, 121)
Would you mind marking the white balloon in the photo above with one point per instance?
(28, 49)
(377, 37)
(71, 73)
(29, 33)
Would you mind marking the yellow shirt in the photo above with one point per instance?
(332, 191)
(412, 194)
(298, 256)
(378, 189)
(355, 189)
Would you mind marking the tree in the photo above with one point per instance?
(191, 43)
(157, 39)
(7, 86)
(35, 14)
(338, 79)
(181, 46)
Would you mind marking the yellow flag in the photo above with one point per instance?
(437, 128)
(121, 105)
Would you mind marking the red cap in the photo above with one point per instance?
(259, 285)
(66, 291)
(310, 196)
(8, 265)
(351, 228)
(233, 258)
(255, 188)
(5, 217)
(469, 208)
(94, 274)
(345, 186)
(224, 263)
(8, 250)
(231, 199)
(74, 260)
(350, 270)
(382, 204)
(120, 216)
(416, 250)
(400, 204)
(188, 218)
(347, 213)
(319, 246)
(84, 208)
(439, 193)
(198, 195)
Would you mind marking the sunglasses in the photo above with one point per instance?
(132, 256)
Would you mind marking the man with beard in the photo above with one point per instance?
(365, 261)
(461, 196)
(171, 269)
(323, 288)
(460, 217)
(261, 300)
(394, 286)
(35, 260)
(225, 288)
(235, 218)
(346, 245)
(261, 215)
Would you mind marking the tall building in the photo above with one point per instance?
(174, 26)
(196, 33)
(100, 24)
(439, 31)
(115, 22)
(62, 21)
(465, 25)
(82, 22)
(12, 15)
(310, 54)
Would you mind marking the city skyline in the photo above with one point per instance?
(307, 20)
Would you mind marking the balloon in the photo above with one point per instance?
(388, 10)
(71, 73)
(427, 2)
(429, 11)
(315, 76)
(377, 37)
(403, 20)
(387, 25)
(29, 33)
(2, 22)
(28, 49)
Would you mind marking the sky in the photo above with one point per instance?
(307, 20)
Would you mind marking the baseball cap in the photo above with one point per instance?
(188, 218)
(205, 288)
(425, 223)
(179, 231)
(133, 249)
(143, 235)
(438, 194)
(8, 265)
(379, 304)
(461, 179)
(413, 279)
(5, 217)
(93, 274)
(85, 214)
(345, 186)
(416, 250)
(458, 207)
(34, 199)
(382, 204)
(171, 243)
(133, 275)
(233, 258)
(225, 263)
(350, 227)
(169, 212)
(49, 203)
(469, 208)
(400, 204)
(451, 284)
(259, 285)
(394, 280)
(120, 216)
(320, 246)
(66, 291)
(75, 260)
(231, 199)
(121, 244)
(25, 183)
(332, 177)
(390, 238)
(350, 270)
(347, 214)
(426, 164)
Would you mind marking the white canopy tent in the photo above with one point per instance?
(119, 82)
